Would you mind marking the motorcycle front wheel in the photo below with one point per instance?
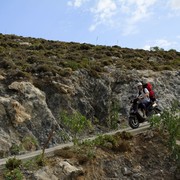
(133, 122)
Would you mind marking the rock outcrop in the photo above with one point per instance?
(95, 97)
(26, 110)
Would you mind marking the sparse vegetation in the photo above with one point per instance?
(15, 149)
(12, 171)
(48, 64)
(13, 163)
(114, 115)
(87, 149)
(76, 123)
(40, 160)
(29, 143)
(35, 163)
(118, 142)
(14, 174)
(32, 56)
(169, 123)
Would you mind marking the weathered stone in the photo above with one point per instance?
(70, 169)
(45, 174)
(31, 117)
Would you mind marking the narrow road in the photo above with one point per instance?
(50, 151)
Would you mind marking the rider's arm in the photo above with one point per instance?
(139, 96)
(146, 93)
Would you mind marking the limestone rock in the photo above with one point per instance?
(45, 174)
(25, 111)
(20, 114)
(69, 169)
(28, 90)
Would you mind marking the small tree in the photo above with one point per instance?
(76, 123)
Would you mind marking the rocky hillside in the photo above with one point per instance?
(121, 156)
(39, 79)
(144, 156)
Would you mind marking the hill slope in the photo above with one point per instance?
(39, 79)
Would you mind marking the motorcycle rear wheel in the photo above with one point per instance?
(133, 122)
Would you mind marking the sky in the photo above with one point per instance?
(137, 24)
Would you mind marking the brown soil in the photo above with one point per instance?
(148, 158)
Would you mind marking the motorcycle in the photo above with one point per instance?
(136, 115)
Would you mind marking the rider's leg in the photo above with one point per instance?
(144, 110)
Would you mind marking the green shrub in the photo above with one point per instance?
(13, 44)
(29, 164)
(7, 64)
(35, 163)
(40, 160)
(85, 46)
(15, 149)
(76, 123)
(43, 68)
(72, 64)
(175, 63)
(117, 142)
(32, 59)
(108, 53)
(98, 56)
(107, 62)
(21, 74)
(169, 122)
(84, 62)
(114, 115)
(50, 53)
(103, 140)
(36, 47)
(29, 143)
(14, 174)
(13, 163)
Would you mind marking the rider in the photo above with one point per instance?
(143, 97)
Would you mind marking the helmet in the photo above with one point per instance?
(139, 84)
(144, 81)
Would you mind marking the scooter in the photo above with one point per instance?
(136, 114)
